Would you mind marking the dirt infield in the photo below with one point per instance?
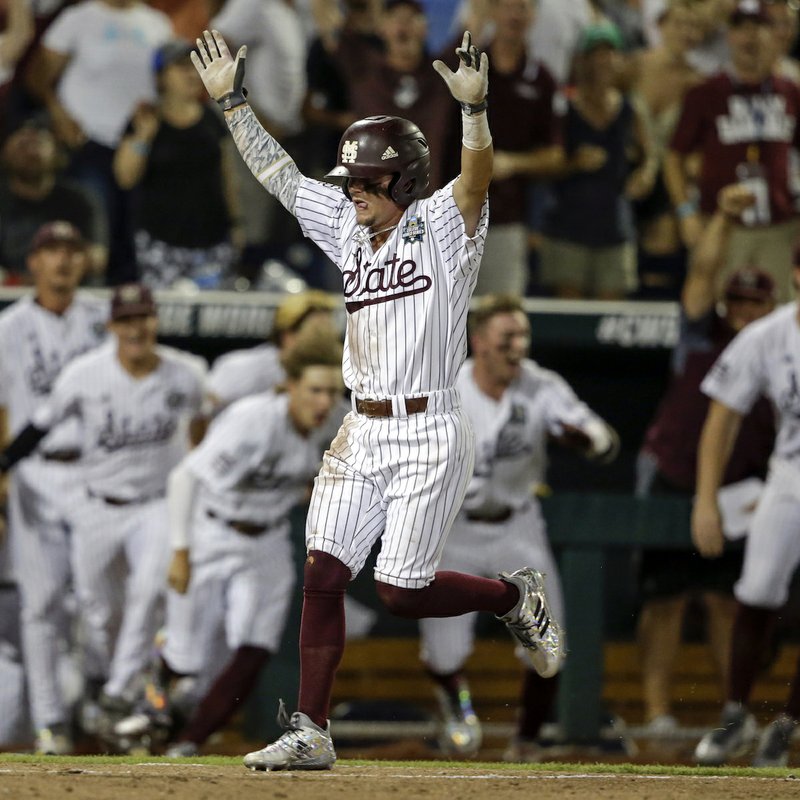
(108, 781)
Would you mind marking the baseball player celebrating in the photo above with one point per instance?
(399, 466)
(229, 501)
(763, 359)
(134, 400)
(39, 335)
(515, 406)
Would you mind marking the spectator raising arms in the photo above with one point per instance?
(176, 152)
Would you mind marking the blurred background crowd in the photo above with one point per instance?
(607, 153)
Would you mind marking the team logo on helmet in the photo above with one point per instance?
(349, 152)
(388, 153)
(413, 230)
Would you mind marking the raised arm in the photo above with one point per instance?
(469, 85)
(223, 77)
(708, 257)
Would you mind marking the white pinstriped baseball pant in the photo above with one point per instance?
(400, 479)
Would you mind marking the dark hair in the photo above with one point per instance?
(491, 305)
(313, 348)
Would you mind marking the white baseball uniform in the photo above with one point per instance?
(135, 430)
(35, 344)
(500, 523)
(765, 359)
(400, 478)
(256, 370)
(253, 467)
(241, 373)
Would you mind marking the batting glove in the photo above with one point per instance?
(221, 74)
(470, 84)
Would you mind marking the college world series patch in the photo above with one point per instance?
(413, 230)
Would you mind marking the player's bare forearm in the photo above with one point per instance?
(469, 191)
(272, 166)
(716, 444)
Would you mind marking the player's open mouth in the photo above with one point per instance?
(360, 204)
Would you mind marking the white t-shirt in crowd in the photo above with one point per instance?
(110, 69)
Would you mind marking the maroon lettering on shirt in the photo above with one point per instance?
(386, 282)
(723, 120)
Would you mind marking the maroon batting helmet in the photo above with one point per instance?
(377, 146)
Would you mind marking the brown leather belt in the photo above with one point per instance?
(240, 526)
(123, 501)
(500, 515)
(383, 408)
(62, 456)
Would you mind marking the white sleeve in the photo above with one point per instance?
(63, 402)
(227, 453)
(461, 253)
(62, 36)
(181, 491)
(738, 377)
(319, 209)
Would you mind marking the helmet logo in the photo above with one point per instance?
(389, 152)
(349, 152)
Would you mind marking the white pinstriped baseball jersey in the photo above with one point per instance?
(135, 430)
(764, 359)
(511, 434)
(407, 302)
(244, 372)
(253, 463)
(36, 344)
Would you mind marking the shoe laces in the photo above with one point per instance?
(538, 622)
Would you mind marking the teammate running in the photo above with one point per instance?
(134, 400)
(763, 359)
(515, 406)
(39, 335)
(229, 502)
(398, 468)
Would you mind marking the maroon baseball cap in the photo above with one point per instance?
(132, 300)
(55, 233)
(750, 283)
(752, 10)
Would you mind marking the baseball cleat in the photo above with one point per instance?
(531, 623)
(182, 750)
(303, 746)
(775, 741)
(54, 741)
(730, 739)
(461, 733)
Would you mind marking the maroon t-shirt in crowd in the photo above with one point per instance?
(722, 118)
(421, 96)
(674, 435)
(521, 118)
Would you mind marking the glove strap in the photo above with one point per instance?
(471, 109)
(233, 100)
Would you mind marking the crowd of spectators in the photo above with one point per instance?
(615, 123)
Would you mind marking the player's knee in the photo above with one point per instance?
(400, 602)
(324, 573)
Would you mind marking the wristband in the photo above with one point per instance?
(233, 100)
(475, 131)
(470, 109)
(686, 209)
